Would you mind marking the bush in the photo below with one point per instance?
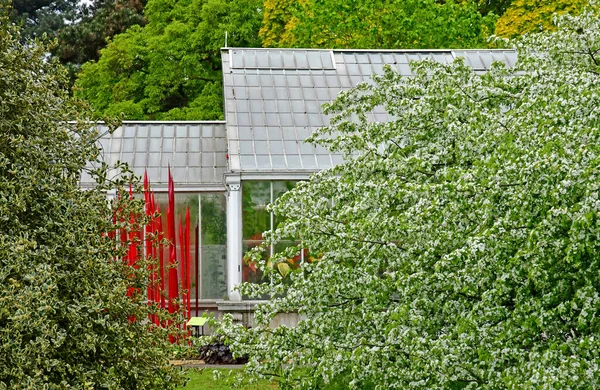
(65, 318)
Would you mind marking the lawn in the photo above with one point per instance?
(201, 379)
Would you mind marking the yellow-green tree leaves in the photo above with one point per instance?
(374, 24)
(525, 16)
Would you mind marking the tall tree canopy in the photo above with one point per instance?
(38, 17)
(524, 16)
(98, 21)
(459, 243)
(81, 28)
(498, 7)
(374, 24)
(65, 318)
(170, 68)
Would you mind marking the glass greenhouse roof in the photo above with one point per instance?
(195, 150)
(273, 98)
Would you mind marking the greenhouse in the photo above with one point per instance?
(227, 171)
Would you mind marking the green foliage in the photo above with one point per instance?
(81, 28)
(525, 16)
(498, 7)
(460, 240)
(65, 319)
(81, 41)
(374, 24)
(170, 68)
(39, 17)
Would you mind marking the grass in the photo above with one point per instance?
(201, 379)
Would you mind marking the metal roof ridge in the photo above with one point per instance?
(156, 122)
(366, 50)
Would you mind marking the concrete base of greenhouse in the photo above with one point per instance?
(243, 313)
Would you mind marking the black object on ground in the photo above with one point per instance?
(219, 353)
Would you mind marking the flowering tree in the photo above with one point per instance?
(459, 242)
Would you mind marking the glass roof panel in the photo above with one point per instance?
(263, 162)
(141, 144)
(129, 132)
(195, 159)
(276, 147)
(281, 59)
(314, 60)
(287, 120)
(324, 161)
(156, 153)
(287, 88)
(308, 161)
(288, 133)
(288, 59)
(246, 147)
(154, 159)
(105, 144)
(180, 131)
(181, 144)
(275, 60)
(194, 144)
(142, 131)
(293, 161)
(115, 145)
(180, 160)
(247, 161)
(167, 145)
(128, 145)
(262, 147)
(207, 175)
(168, 131)
(278, 161)
(260, 133)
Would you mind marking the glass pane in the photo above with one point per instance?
(129, 132)
(302, 61)
(276, 146)
(213, 232)
(167, 144)
(314, 59)
(261, 147)
(250, 273)
(256, 195)
(128, 145)
(115, 146)
(275, 60)
(278, 161)
(248, 162)
(207, 131)
(280, 188)
(260, 133)
(180, 145)
(294, 161)
(180, 160)
(168, 131)
(326, 59)
(268, 93)
(181, 131)
(155, 144)
(293, 261)
(182, 200)
(263, 162)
